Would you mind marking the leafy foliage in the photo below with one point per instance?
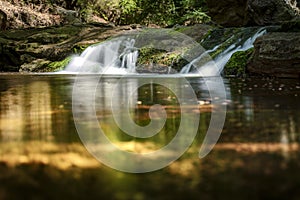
(160, 12)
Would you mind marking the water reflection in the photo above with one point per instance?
(26, 109)
(261, 115)
(258, 148)
(39, 108)
(33, 109)
(127, 102)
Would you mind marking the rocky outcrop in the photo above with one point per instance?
(252, 12)
(46, 49)
(277, 54)
(33, 49)
(42, 49)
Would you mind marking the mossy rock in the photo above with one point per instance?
(59, 65)
(33, 49)
(151, 56)
(198, 31)
(225, 37)
(79, 48)
(236, 66)
(218, 36)
(47, 38)
(43, 65)
(37, 65)
(148, 54)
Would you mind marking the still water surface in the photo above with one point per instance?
(42, 156)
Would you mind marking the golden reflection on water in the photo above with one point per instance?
(26, 130)
(38, 111)
(62, 156)
(26, 108)
(258, 146)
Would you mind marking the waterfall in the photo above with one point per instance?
(120, 56)
(216, 66)
(189, 67)
(129, 56)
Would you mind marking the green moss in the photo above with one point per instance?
(58, 65)
(68, 30)
(218, 36)
(150, 55)
(47, 38)
(237, 63)
(182, 29)
(160, 57)
(79, 48)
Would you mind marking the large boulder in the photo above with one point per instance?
(277, 54)
(32, 49)
(252, 12)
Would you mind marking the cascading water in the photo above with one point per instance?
(216, 66)
(129, 56)
(120, 56)
(112, 57)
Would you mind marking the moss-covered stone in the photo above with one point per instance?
(218, 36)
(236, 66)
(43, 65)
(79, 48)
(28, 49)
(59, 65)
(148, 54)
(198, 32)
(38, 65)
(149, 57)
(48, 38)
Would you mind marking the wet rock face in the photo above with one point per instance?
(252, 12)
(277, 54)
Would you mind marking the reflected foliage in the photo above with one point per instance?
(41, 156)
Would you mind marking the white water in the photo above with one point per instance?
(112, 57)
(216, 66)
(119, 56)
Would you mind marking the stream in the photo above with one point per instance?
(43, 157)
